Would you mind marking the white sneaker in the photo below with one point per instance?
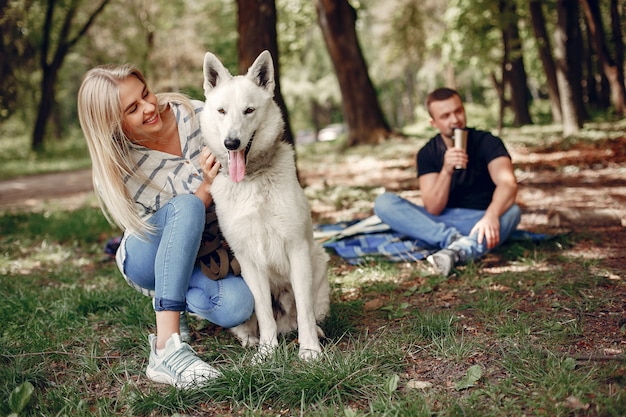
(444, 261)
(178, 365)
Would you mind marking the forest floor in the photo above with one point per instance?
(581, 189)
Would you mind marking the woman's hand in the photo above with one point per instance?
(210, 168)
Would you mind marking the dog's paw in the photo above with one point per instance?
(263, 353)
(309, 354)
(320, 333)
(249, 341)
(245, 334)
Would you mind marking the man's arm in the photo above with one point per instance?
(435, 186)
(501, 171)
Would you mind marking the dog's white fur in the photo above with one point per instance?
(263, 212)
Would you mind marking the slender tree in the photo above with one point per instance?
(52, 57)
(545, 54)
(361, 110)
(567, 55)
(513, 63)
(17, 56)
(614, 72)
(257, 32)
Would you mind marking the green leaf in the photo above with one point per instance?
(474, 373)
(392, 384)
(20, 397)
(569, 364)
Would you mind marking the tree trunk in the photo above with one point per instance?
(545, 53)
(51, 69)
(257, 32)
(502, 103)
(45, 107)
(514, 64)
(613, 73)
(618, 40)
(565, 54)
(361, 110)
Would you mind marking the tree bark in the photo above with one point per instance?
(514, 64)
(362, 113)
(257, 32)
(545, 54)
(50, 70)
(566, 55)
(613, 72)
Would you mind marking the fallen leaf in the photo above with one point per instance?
(415, 384)
(474, 373)
(574, 403)
(372, 305)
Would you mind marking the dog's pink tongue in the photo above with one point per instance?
(237, 165)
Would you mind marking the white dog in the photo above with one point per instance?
(262, 210)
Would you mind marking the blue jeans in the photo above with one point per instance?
(165, 262)
(451, 229)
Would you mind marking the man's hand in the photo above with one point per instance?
(454, 157)
(488, 228)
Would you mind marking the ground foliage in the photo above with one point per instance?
(533, 328)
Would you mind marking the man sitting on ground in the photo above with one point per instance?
(469, 195)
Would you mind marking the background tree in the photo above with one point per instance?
(17, 57)
(545, 53)
(412, 46)
(568, 56)
(363, 115)
(403, 39)
(310, 86)
(51, 57)
(513, 63)
(613, 70)
(257, 32)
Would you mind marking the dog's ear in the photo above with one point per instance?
(214, 72)
(261, 72)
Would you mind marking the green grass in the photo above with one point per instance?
(400, 341)
(17, 158)
(74, 330)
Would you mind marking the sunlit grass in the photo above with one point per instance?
(78, 333)
(17, 158)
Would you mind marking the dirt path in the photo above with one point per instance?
(29, 192)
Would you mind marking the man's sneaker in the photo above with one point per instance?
(178, 365)
(444, 260)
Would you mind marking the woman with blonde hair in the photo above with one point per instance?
(153, 178)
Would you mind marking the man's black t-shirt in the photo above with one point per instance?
(471, 187)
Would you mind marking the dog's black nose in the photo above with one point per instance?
(232, 143)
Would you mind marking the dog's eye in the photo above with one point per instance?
(248, 110)
(221, 110)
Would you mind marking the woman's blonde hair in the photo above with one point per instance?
(100, 115)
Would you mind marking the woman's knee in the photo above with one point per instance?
(237, 300)
(229, 305)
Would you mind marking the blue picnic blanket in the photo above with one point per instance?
(392, 246)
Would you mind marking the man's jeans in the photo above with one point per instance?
(450, 229)
(165, 262)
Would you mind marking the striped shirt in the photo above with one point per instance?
(164, 176)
